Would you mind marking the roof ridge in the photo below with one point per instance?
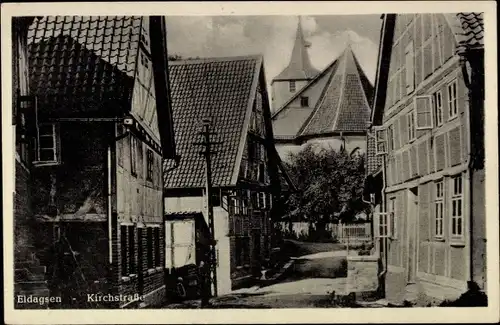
(320, 101)
(342, 86)
(217, 59)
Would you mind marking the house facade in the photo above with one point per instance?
(29, 275)
(231, 93)
(99, 149)
(426, 153)
(330, 108)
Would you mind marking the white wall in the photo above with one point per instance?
(281, 92)
(221, 225)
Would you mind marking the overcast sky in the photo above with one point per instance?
(273, 37)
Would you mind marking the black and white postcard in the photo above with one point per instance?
(250, 162)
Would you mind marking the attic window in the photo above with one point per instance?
(292, 86)
(144, 39)
(304, 101)
(144, 60)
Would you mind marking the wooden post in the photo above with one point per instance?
(207, 153)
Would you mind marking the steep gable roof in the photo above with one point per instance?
(344, 103)
(86, 65)
(299, 67)
(222, 89)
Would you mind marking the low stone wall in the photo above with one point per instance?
(362, 275)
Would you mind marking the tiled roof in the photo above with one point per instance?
(372, 162)
(344, 105)
(299, 67)
(468, 28)
(79, 60)
(221, 89)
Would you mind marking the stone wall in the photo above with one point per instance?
(362, 274)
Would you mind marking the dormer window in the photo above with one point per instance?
(144, 38)
(47, 144)
(292, 86)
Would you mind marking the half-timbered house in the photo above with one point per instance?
(231, 92)
(97, 175)
(426, 153)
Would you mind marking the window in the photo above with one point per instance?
(262, 200)
(381, 141)
(410, 68)
(438, 107)
(157, 246)
(439, 209)
(133, 155)
(304, 101)
(149, 157)
(383, 225)
(452, 99)
(144, 38)
(47, 143)
(410, 120)
(149, 240)
(456, 207)
(423, 112)
(292, 86)
(216, 198)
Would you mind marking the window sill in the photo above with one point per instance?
(150, 271)
(125, 279)
(457, 243)
(159, 268)
(451, 118)
(45, 164)
(439, 239)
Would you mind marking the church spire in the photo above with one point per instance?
(299, 67)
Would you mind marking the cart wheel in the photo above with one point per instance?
(181, 291)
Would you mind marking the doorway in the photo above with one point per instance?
(411, 228)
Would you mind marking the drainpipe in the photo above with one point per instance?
(467, 73)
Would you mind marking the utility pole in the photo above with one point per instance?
(207, 144)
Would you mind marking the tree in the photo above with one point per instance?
(330, 185)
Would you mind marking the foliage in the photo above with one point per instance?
(330, 185)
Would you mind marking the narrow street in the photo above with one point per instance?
(319, 270)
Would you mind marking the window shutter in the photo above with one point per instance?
(410, 69)
(381, 141)
(423, 112)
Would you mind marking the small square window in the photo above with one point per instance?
(292, 86)
(304, 101)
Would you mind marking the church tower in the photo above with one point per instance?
(296, 75)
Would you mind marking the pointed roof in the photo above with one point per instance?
(300, 67)
(343, 106)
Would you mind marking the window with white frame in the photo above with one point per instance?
(410, 120)
(452, 99)
(47, 144)
(457, 219)
(291, 86)
(383, 225)
(410, 68)
(439, 209)
(438, 107)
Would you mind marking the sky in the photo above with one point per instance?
(273, 37)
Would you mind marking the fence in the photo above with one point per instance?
(344, 233)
